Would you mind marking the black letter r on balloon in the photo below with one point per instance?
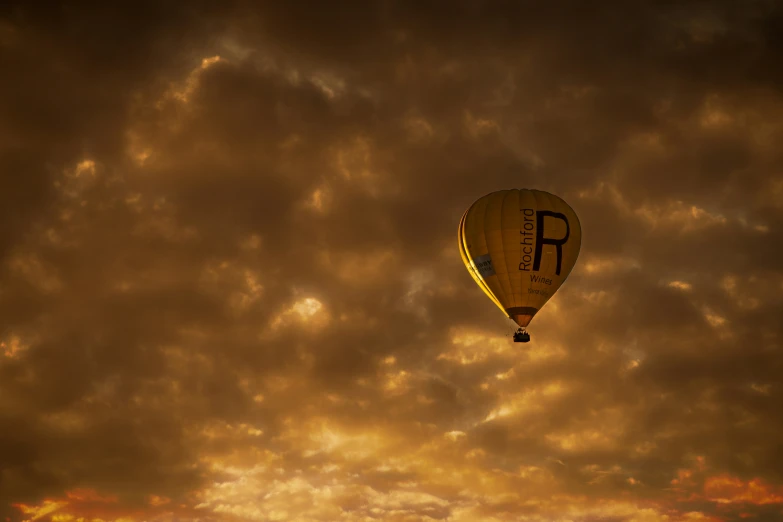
(541, 240)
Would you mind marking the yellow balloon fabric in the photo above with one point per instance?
(519, 246)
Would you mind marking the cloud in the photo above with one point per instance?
(230, 287)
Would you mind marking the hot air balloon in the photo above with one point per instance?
(519, 245)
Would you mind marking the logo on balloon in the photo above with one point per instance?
(484, 266)
(533, 227)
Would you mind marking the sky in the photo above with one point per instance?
(231, 289)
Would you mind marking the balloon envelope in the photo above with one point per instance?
(519, 246)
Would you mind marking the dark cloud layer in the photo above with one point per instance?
(229, 263)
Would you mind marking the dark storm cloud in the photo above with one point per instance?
(214, 262)
(73, 72)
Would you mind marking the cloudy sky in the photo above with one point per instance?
(230, 287)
